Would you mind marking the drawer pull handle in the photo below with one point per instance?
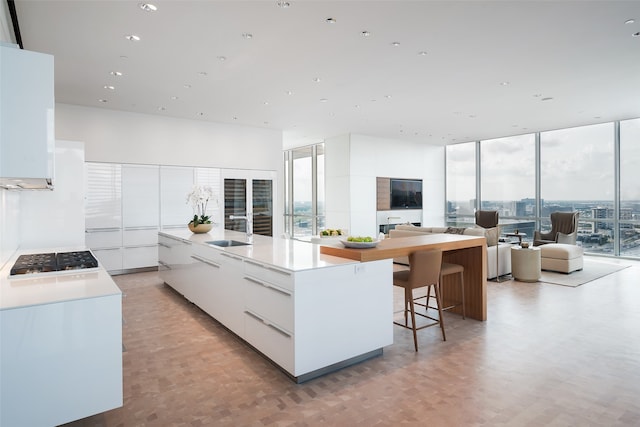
(255, 263)
(231, 256)
(212, 264)
(164, 245)
(286, 273)
(266, 323)
(267, 285)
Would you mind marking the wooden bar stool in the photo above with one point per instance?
(446, 269)
(424, 271)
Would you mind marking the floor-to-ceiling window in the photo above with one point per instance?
(629, 217)
(577, 174)
(461, 183)
(578, 171)
(508, 184)
(304, 206)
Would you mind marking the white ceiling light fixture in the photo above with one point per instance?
(161, 108)
(422, 53)
(132, 37)
(109, 87)
(284, 4)
(504, 83)
(247, 35)
(115, 73)
(636, 34)
(147, 7)
(630, 21)
(324, 100)
(317, 79)
(222, 58)
(395, 44)
(547, 99)
(173, 98)
(203, 73)
(186, 86)
(104, 101)
(289, 92)
(365, 33)
(330, 21)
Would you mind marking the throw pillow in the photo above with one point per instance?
(492, 236)
(454, 230)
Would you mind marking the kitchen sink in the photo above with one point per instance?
(227, 243)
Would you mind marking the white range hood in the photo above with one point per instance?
(27, 137)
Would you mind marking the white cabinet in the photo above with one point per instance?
(103, 213)
(174, 260)
(175, 183)
(26, 116)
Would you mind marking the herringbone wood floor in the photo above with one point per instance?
(548, 355)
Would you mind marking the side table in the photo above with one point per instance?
(525, 264)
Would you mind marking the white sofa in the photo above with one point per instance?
(495, 249)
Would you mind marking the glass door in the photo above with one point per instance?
(256, 193)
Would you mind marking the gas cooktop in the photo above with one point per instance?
(48, 262)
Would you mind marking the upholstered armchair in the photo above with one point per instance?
(564, 229)
(487, 219)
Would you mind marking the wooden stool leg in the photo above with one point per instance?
(440, 316)
(413, 321)
(462, 292)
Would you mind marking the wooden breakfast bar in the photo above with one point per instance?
(468, 251)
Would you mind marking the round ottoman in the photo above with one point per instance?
(561, 257)
(525, 264)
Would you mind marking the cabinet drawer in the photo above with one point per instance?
(139, 257)
(271, 301)
(110, 259)
(273, 341)
(140, 236)
(279, 277)
(207, 253)
(103, 238)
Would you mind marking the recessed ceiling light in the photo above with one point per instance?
(173, 98)
(547, 99)
(537, 95)
(203, 73)
(109, 87)
(222, 58)
(187, 86)
(284, 4)
(289, 92)
(266, 123)
(395, 44)
(357, 106)
(132, 37)
(472, 116)
(330, 21)
(365, 33)
(373, 100)
(266, 102)
(422, 53)
(388, 96)
(161, 108)
(317, 79)
(247, 35)
(115, 73)
(630, 21)
(147, 7)
(597, 117)
(323, 100)
(124, 57)
(102, 100)
(504, 84)
(235, 118)
(199, 113)
(636, 34)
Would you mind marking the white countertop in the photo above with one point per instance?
(47, 288)
(288, 254)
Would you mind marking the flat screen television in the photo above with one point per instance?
(406, 193)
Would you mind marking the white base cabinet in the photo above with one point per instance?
(308, 322)
(60, 362)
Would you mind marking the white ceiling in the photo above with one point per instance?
(579, 53)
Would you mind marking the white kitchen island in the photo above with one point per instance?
(60, 345)
(308, 313)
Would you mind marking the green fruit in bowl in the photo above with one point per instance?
(359, 239)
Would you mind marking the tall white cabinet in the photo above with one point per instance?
(127, 204)
(140, 215)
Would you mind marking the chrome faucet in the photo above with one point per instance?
(249, 227)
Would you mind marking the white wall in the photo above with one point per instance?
(122, 137)
(50, 219)
(9, 220)
(353, 163)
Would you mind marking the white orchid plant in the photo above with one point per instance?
(199, 197)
